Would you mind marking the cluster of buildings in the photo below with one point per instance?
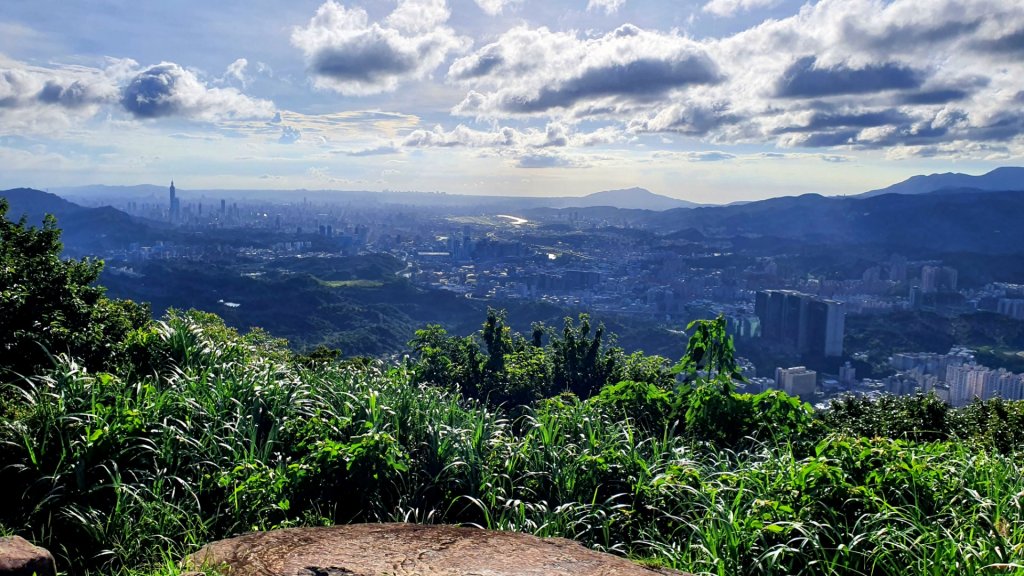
(954, 377)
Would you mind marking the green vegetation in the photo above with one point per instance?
(196, 432)
(49, 305)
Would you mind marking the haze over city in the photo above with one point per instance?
(711, 102)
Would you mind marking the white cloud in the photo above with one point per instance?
(461, 135)
(837, 74)
(168, 90)
(40, 100)
(554, 135)
(726, 8)
(347, 53)
(540, 72)
(236, 71)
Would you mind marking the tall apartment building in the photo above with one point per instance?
(796, 381)
(808, 324)
(971, 381)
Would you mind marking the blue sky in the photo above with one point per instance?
(709, 100)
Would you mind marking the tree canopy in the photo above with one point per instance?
(52, 305)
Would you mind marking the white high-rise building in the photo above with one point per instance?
(797, 381)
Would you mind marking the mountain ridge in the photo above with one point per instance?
(999, 179)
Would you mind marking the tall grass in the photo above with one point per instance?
(215, 434)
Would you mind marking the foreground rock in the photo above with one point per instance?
(407, 549)
(18, 557)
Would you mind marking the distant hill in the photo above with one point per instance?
(972, 221)
(35, 204)
(631, 198)
(1006, 178)
(84, 230)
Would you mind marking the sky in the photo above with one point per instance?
(708, 100)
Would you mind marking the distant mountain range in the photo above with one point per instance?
(1006, 178)
(952, 221)
(630, 198)
(940, 212)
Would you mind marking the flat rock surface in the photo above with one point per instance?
(19, 557)
(405, 550)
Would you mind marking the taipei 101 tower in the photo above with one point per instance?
(175, 205)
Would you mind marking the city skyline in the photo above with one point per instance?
(709, 101)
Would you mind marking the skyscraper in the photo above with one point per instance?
(175, 207)
(808, 324)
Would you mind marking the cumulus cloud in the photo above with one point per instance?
(554, 135)
(1008, 43)
(692, 118)
(461, 135)
(347, 53)
(868, 74)
(839, 74)
(726, 8)
(68, 87)
(536, 71)
(167, 89)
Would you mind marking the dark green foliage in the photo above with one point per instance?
(920, 417)
(49, 305)
(995, 424)
(710, 354)
(505, 368)
(654, 409)
(450, 362)
(582, 363)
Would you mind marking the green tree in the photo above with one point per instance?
(582, 363)
(448, 361)
(50, 305)
(714, 412)
(710, 354)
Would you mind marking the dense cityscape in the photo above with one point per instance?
(608, 262)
